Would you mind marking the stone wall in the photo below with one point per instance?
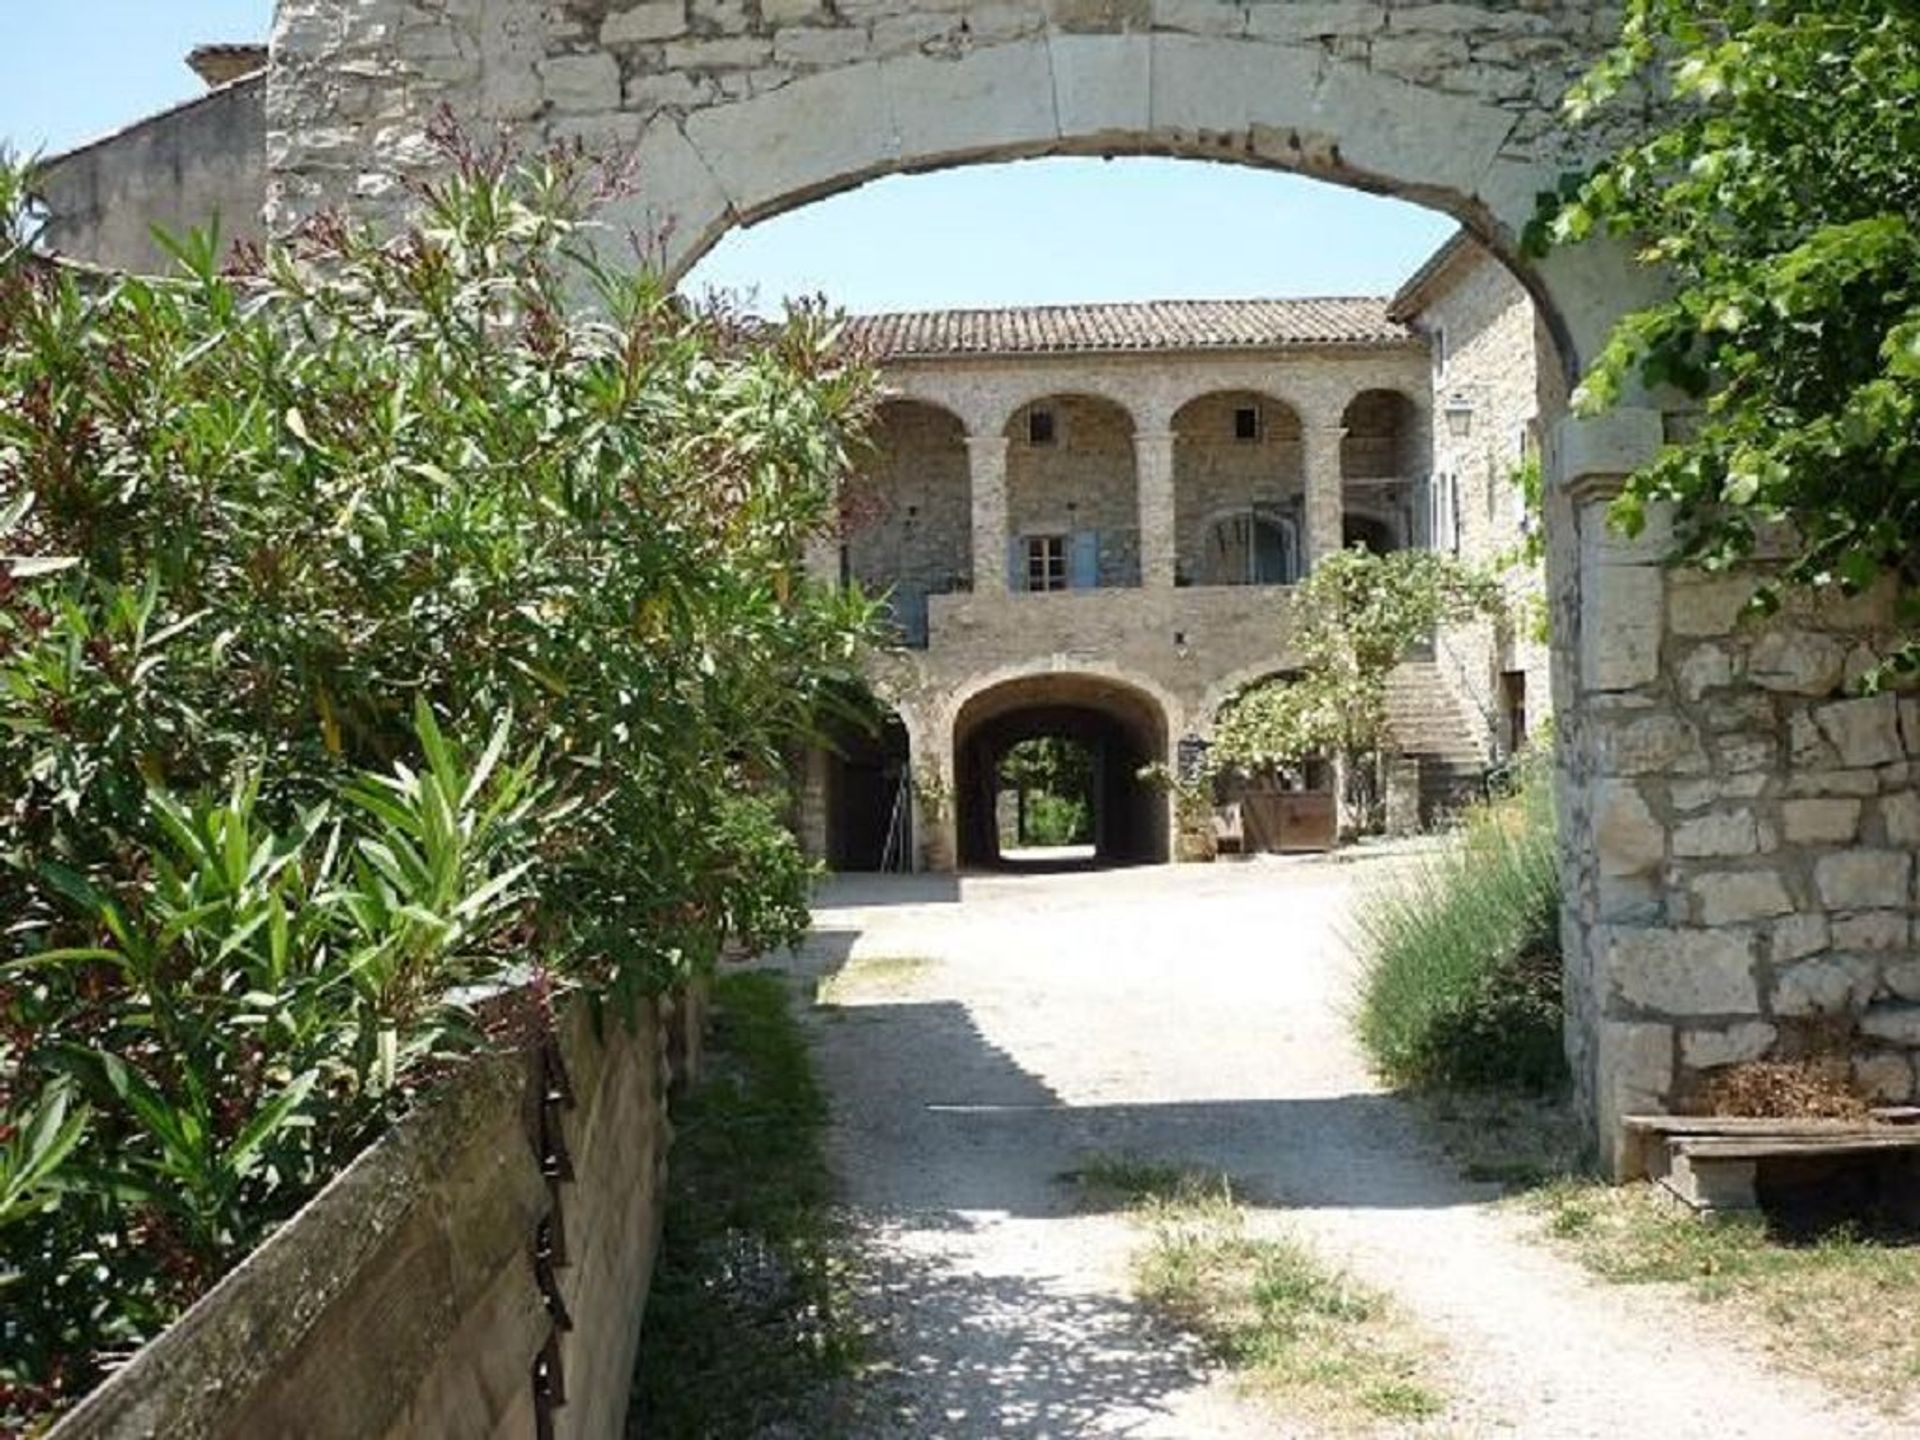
(1082, 482)
(1739, 823)
(417, 1293)
(1218, 476)
(181, 170)
(1756, 841)
(726, 99)
(1491, 351)
(912, 519)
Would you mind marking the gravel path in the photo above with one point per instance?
(1190, 1014)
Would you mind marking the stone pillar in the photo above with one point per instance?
(1326, 503)
(1616, 725)
(812, 805)
(987, 470)
(1154, 489)
(936, 844)
(1403, 795)
(822, 561)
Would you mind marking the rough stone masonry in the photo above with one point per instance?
(1740, 834)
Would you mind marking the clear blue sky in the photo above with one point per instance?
(1048, 231)
(71, 70)
(1041, 231)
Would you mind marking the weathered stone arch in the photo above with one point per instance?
(733, 119)
(1206, 716)
(1128, 717)
(906, 523)
(1292, 420)
(738, 112)
(1238, 496)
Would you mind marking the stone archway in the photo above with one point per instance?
(1123, 728)
(736, 113)
(734, 116)
(1239, 482)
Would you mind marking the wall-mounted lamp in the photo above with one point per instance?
(1459, 413)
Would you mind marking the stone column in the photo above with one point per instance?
(936, 844)
(1629, 957)
(1326, 503)
(812, 806)
(987, 471)
(822, 560)
(1154, 489)
(1403, 795)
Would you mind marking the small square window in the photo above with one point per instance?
(1246, 423)
(1046, 562)
(1040, 430)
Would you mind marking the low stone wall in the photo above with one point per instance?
(479, 1272)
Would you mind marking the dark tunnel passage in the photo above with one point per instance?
(1122, 729)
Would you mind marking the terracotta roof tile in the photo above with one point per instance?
(1147, 325)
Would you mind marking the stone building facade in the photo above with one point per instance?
(1680, 722)
(1495, 387)
(196, 166)
(1089, 515)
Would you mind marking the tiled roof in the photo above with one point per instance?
(222, 64)
(1147, 325)
(252, 50)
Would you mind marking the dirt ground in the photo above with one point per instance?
(986, 1035)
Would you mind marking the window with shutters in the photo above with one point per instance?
(1046, 562)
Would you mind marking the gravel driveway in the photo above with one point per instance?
(1190, 1014)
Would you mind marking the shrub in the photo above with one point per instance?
(1057, 820)
(283, 544)
(1461, 982)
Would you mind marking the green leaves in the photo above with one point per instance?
(1355, 617)
(1777, 188)
(280, 540)
(37, 1138)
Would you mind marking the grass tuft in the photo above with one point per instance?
(1517, 1141)
(1840, 1308)
(881, 977)
(1294, 1328)
(1127, 1179)
(1460, 978)
(748, 1320)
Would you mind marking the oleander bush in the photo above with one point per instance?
(383, 624)
(1461, 966)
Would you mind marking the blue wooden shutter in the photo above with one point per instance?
(910, 614)
(1016, 564)
(1083, 570)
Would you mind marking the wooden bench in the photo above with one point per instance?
(1713, 1162)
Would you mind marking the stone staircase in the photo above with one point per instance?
(1444, 734)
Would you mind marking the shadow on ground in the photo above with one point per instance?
(970, 1354)
(931, 1115)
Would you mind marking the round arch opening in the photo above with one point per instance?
(1119, 728)
(1239, 490)
(868, 802)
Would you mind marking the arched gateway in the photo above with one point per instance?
(1699, 898)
